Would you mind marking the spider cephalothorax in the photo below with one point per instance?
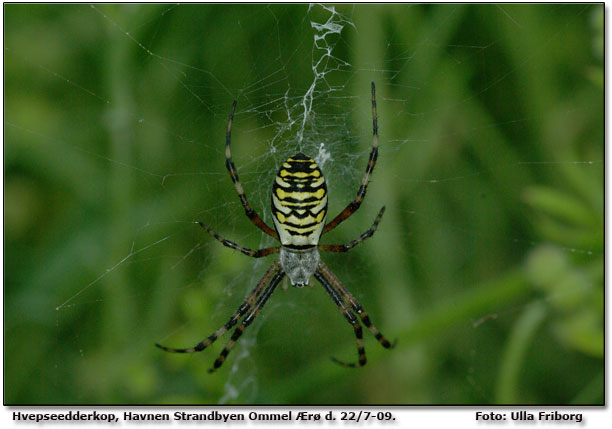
(299, 211)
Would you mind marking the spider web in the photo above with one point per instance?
(155, 132)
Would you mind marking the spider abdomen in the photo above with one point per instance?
(299, 202)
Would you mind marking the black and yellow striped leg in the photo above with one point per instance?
(357, 308)
(251, 214)
(252, 253)
(244, 307)
(349, 316)
(362, 237)
(261, 301)
(354, 205)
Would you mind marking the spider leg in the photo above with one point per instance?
(252, 253)
(357, 308)
(349, 316)
(354, 205)
(251, 214)
(349, 246)
(261, 301)
(244, 307)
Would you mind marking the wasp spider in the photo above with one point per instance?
(299, 208)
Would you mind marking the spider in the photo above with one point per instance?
(299, 208)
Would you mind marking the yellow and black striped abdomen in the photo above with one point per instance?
(299, 202)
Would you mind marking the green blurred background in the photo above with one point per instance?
(487, 266)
